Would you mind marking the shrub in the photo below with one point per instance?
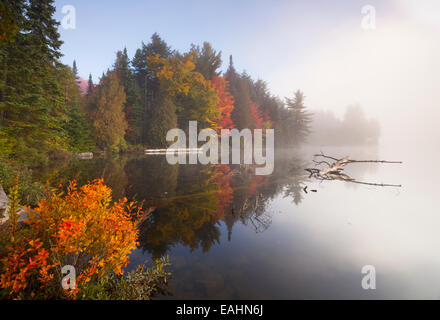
(82, 228)
(139, 284)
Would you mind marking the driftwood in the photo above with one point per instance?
(333, 171)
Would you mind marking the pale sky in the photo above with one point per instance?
(319, 47)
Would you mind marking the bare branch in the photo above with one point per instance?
(334, 171)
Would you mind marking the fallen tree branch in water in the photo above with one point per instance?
(333, 171)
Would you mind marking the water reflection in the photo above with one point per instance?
(190, 201)
(225, 228)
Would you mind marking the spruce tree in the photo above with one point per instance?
(132, 106)
(239, 88)
(75, 69)
(147, 83)
(90, 86)
(163, 118)
(33, 110)
(207, 60)
(299, 118)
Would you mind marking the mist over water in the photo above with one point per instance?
(231, 234)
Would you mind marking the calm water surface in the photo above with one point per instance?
(233, 235)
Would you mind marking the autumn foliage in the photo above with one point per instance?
(226, 103)
(82, 228)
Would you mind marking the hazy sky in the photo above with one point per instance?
(316, 46)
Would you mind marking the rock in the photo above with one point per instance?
(3, 198)
(3, 204)
(85, 155)
(4, 215)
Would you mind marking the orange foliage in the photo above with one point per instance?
(226, 103)
(222, 177)
(81, 228)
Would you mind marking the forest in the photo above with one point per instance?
(44, 113)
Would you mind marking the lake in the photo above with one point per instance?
(233, 235)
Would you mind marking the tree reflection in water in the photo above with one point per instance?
(191, 201)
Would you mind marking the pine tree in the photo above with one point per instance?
(163, 118)
(32, 106)
(132, 106)
(207, 60)
(76, 127)
(75, 69)
(299, 118)
(146, 80)
(242, 113)
(122, 67)
(90, 86)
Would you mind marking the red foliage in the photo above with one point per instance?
(222, 176)
(226, 104)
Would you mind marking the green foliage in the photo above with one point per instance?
(133, 104)
(208, 61)
(139, 284)
(78, 131)
(106, 112)
(14, 207)
(8, 24)
(31, 191)
(299, 117)
(163, 118)
(75, 69)
(146, 81)
(32, 104)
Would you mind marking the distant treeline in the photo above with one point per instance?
(353, 129)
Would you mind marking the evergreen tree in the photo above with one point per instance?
(122, 67)
(132, 106)
(231, 74)
(76, 127)
(299, 118)
(146, 80)
(75, 69)
(239, 88)
(163, 118)
(90, 86)
(242, 113)
(32, 109)
(207, 60)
